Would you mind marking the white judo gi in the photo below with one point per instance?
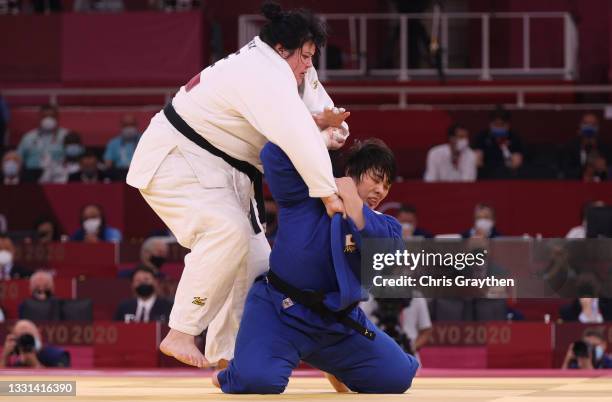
(237, 104)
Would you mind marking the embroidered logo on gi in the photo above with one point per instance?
(287, 303)
(197, 300)
(349, 244)
(315, 85)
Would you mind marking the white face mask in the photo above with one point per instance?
(10, 168)
(599, 352)
(92, 225)
(48, 123)
(407, 229)
(5, 257)
(484, 224)
(461, 144)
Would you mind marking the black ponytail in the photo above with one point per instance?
(291, 28)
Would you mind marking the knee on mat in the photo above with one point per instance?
(396, 379)
(261, 381)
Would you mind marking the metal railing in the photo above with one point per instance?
(520, 92)
(248, 27)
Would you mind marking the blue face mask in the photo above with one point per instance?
(499, 132)
(588, 131)
(73, 150)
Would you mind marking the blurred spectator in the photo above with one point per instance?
(11, 169)
(498, 149)
(595, 169)
(112, 6)
(89, 171)
(407, 217)
(58, 172)
(588, 307)
(575, 156)
(9, 7)
(93, 227)
(47, 6)
(42, 286)
(579, 232)
(153, 255)
(416, 323)
(23, 347)
(484, 223)
(119, 150)
(271, 220)
(453, 161)
(47, 231)
(8, 269)
(146, 305)
(588, 353)
(44, 144)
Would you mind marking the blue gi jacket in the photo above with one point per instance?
(312, 251)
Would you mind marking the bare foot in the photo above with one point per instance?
(222, 364)
(336, 383)
(182, 347)
(215, 379)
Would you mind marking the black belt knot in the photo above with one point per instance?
(314, 301)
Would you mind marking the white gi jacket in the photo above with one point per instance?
(239, 104)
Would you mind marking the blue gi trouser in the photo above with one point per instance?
(268, 348)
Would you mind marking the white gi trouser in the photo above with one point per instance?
(206, 204)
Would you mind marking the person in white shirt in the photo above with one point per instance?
(579, 232)
(197, 165)
(453, 161)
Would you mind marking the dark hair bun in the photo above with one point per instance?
(272, 11)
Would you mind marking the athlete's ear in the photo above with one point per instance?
(281, 51)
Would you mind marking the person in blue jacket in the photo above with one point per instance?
(306, 308)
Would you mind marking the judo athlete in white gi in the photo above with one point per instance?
(306, 308)
(197, 165)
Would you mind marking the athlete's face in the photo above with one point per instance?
(300, 60)
(373, 189)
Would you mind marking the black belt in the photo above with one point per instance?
(245, 167)
(314, 301)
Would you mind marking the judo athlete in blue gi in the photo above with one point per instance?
(316, 259)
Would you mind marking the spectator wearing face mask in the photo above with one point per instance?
(407, 217)
(146, 306)
(588, 308)
(588, 353)
(89, 171)
(454, 161)
(43, 145)
(153, 255)
(579, 232)
(484, 223)
(585, 144)
(93, 227)
(595, 169)
(499, 150)
(119, 150)
(42, 289)
(11, 169)
(8, 268)
(59, 172)
(23, 347)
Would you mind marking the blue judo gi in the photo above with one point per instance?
(313, 252)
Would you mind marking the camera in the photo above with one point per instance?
(25, 344)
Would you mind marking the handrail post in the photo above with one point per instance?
(526, 42)
(403, 75)
(486, 73)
